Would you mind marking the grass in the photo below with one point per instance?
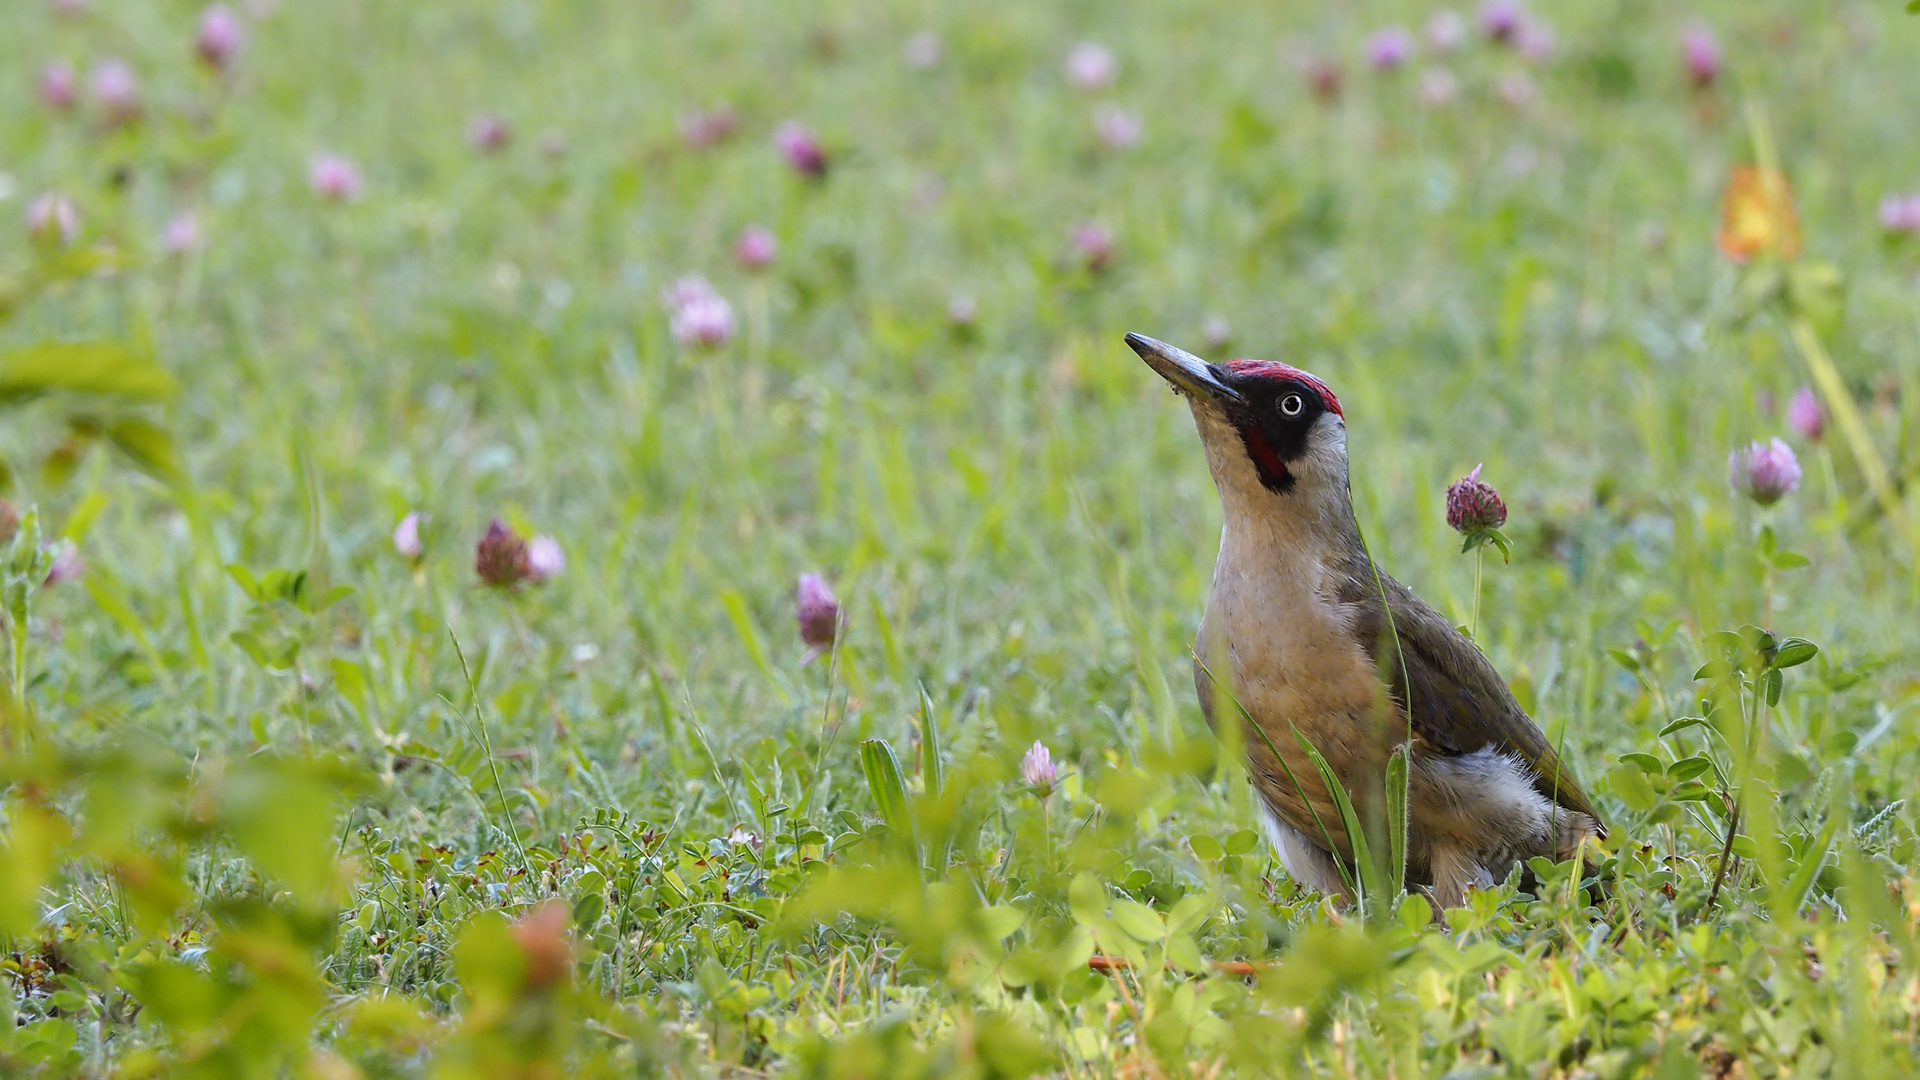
(282, 802)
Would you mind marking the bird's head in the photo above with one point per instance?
(1272, 431)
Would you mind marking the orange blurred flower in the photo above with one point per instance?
(1757, 217)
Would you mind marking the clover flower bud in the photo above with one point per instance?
(818, 612)
(1700, 55)
(1037, 768)
(58, 89)
(1473, 505)
(406, 536)
(334, 178)
(1091, 66)
(1805, 416)
(500, 558)
(755, 248)
(220, 37)
(545, 559)
(1764, 472)
(1389, 48)
(803, 152)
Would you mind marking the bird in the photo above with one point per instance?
(1317, 644)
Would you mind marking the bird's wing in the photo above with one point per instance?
(1459, 703)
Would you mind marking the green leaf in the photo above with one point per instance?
(1189, 912)
(1688, 768)
(1206, 847)
(889, 791)
(1793, 652)
(1646, 763)
(1140, 922)
(1396, 785)
(1001, 920)
(1087, 900)
(1682, 724)
(100, 367)
(149, 447)
(1242, 842)
(930, 777)
(1790, 560)
(1775, 683)
(1371, 884)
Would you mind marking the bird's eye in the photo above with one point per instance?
(1291, 405)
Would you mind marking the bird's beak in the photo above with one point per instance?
(1188, 373)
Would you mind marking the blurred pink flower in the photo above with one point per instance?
(1516, 90)
(489, 132)
(1217, 331)
(961, 310)
(1325, 79)
(406, 536)
(755, 249)
(334, 178)
(58, 85)
(697, 315)
(1700, 55)
(70, 8)
(1091, 66)
(1534, 40)
(1437, 87)
(545, 559)
(553, 143)
(1446, 30)
(817, 611)
(220, 37)
(1389, 48)
(1900, 213)
(1764, 472)
(803, 152)
(1117, 127)
(183, 233)
(709, 126)
(1037, 768)
(67, 564)
(1500, 19)
(1473, 505)
(117, 91)
(52, 220)
(1093, 244)
(1805, 416)
(922, 50)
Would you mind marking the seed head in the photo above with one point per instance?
(220, 37)
(818, 613)
(1805, 416)
(1037, 768)
(755, 248)
(803, 152)
(501, 558)
(1473, 505)
(1764, 472)
(406, 536)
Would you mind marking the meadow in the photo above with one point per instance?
(312, 769)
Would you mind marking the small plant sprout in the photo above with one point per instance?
(1476, 511)
(817, 611)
